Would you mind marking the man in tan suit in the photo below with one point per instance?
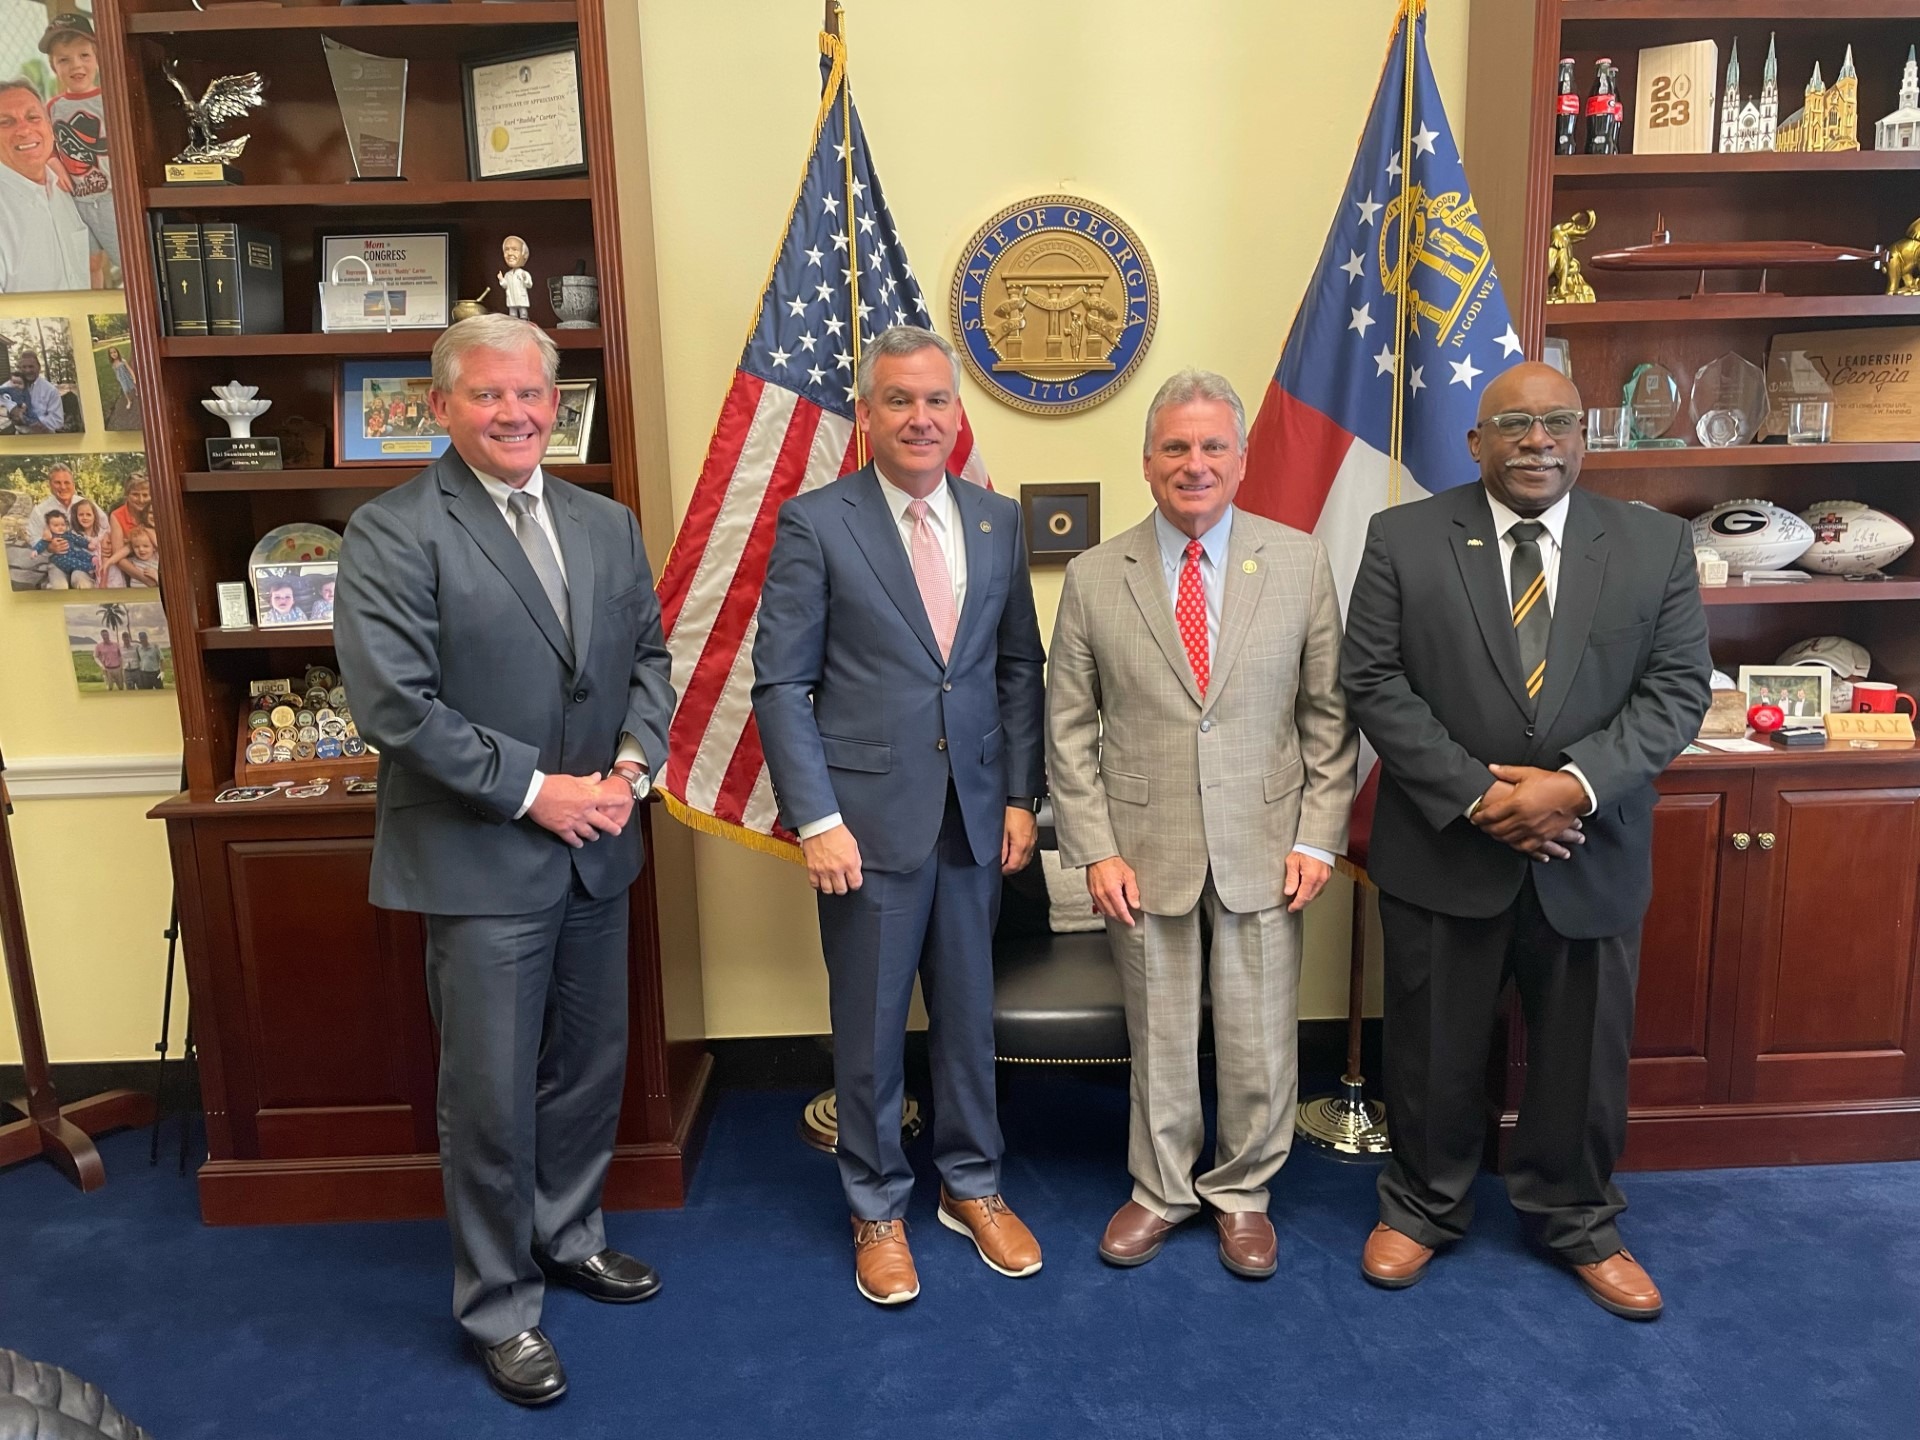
(1202, 766)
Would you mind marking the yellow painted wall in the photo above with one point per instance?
(93, 872)
(1221, 130)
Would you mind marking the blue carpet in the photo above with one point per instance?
(1793, 1310)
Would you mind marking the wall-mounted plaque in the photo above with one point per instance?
(523, 114)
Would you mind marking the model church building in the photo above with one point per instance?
(1830, 119)
(1749, 126)
(1901, 129)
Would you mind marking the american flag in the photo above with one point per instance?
(786, 426)
(1402, 328)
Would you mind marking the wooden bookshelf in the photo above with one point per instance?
(317, 1058)
(1766, 1032)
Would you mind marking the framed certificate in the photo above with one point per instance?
(381, 415)
(385, 282)
(523, 114)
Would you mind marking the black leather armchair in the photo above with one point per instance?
(1056, 998)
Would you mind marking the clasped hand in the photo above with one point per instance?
(579, 808)
(1535, 811)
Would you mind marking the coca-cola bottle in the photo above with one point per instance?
(1600, 109)
(1617, 110)
(1566, 113)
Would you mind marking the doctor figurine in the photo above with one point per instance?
(514, 280)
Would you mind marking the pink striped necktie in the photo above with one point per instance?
(935, 580)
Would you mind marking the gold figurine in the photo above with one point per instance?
(1565, 284)
(1903, 263)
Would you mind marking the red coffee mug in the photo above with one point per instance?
(1879, 697)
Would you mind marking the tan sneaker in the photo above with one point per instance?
(1003, 1242)
(882, 1263)
(1619, 1286)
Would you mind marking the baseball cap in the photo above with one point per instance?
(71, 26)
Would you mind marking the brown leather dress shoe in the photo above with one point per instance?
(1003, 1242)
(1135, 1235)
(1248, 1245)
(1619, 1285)
(1394, 1261)
(882, 1263)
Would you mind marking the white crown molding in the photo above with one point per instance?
(70, 777)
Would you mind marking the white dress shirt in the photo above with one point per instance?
(1213, 583)
(1554, 518)
(43, 405)
(943, 514)
(43, 240)
(499, 492)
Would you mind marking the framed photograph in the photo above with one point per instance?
(285, 595)
(523, 114)
(381, 415)
(39, 394)
(1803, 692)
(573, 430)
(79, 522)
(1061, 520)
(57, 233)
(119, 645)
(113, 370)
(385, 282)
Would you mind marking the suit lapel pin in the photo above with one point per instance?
(1249, 566)
(986, 525)
(1476, 542)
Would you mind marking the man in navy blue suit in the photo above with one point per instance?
(897, 687)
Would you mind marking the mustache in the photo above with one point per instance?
(1536, 462)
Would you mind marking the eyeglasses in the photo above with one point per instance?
(1514, 424)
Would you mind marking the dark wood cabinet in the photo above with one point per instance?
(317, 1051)
(1778, 1016)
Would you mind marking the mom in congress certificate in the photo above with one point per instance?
(523, 114)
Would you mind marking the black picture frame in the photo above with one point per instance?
(1061, 520)
(470, 64)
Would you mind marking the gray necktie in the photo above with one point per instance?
(539, 550)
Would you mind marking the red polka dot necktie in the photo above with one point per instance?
(1190, 609)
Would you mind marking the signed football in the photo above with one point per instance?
(1752, 535)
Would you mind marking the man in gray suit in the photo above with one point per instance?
(897, 687)
(498, 630)
(1202, 769)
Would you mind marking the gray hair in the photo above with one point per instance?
(900, 340)
(1187, 386)
(506, 334)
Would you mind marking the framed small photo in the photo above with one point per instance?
(285, 595)
(1061, 520)
(573, 429)
(381, 415)
(1803, 692)
(523, 113)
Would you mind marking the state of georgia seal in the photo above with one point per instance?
(1054, 301)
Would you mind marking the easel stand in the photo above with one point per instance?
(63, 1133)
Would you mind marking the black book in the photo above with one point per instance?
(154, 225)
(186, 280)
(244, 293)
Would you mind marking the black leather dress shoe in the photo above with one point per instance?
(610, 1276)
(524, 1368)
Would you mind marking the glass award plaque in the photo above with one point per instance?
(1652, 398)
(372, 91)
(1793, 378)
(1729, 401)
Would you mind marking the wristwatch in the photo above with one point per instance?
(1024, 802)
(638, 781)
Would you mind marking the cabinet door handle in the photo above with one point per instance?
(1741, 839)
(1766, 839)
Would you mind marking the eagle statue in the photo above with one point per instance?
(227, 98)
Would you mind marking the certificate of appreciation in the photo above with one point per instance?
(523, 115)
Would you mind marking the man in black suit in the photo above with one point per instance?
(499, 634)
(1526, 658)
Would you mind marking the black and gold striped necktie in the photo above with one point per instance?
(1532, 615)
